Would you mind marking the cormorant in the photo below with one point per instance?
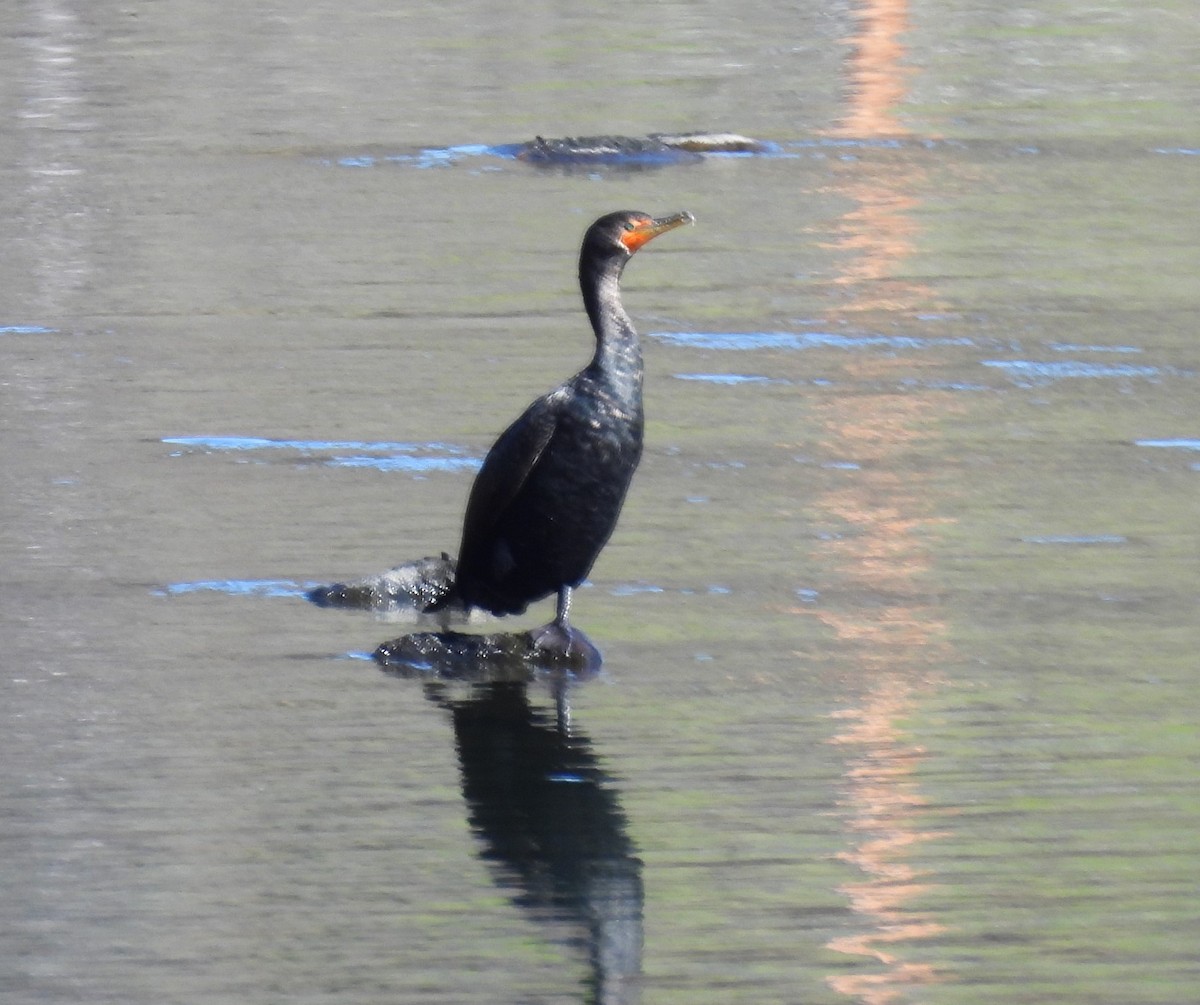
(551, 488)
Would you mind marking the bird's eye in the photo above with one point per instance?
(628, 225)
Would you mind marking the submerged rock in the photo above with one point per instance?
(418, 586)
(657, 148)
(713, 143)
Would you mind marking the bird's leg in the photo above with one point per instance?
(558, 640)
(563, 611)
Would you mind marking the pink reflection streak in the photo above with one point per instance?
(878, 76)
(882, 802)
(895, 640)
(880, 231)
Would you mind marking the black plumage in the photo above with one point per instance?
(551, 488)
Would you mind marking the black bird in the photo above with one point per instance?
(551, 488)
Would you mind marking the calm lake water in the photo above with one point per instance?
(900, 622)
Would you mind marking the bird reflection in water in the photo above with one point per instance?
(546, 814)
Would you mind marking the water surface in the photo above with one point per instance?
(899, 623)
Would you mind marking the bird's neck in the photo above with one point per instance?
(618, 354)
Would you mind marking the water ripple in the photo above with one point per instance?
(801, 340)
(383, 456)
(240, 587)
(1180, 444)
(1029, 372)
(1071, 347)
(729, 378)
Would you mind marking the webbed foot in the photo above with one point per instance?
(558, 644)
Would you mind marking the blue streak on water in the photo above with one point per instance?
(242, 587)
(629, 589)
(767, 148)
(383, 456)
(728, 378)
(306, 446)
(407, 463)
(847, 143)
(1069, 347)
(1178, 151)
(942, 385)
(1038, 372)
(26, 330)
(617, 159)
(430, 157)
(801, 340)
(1180, 444)
(445, 156)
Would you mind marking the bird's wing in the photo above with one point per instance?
(508, 464)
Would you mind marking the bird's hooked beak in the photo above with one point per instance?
(648, 229)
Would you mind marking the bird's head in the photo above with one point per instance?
(622, 233)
